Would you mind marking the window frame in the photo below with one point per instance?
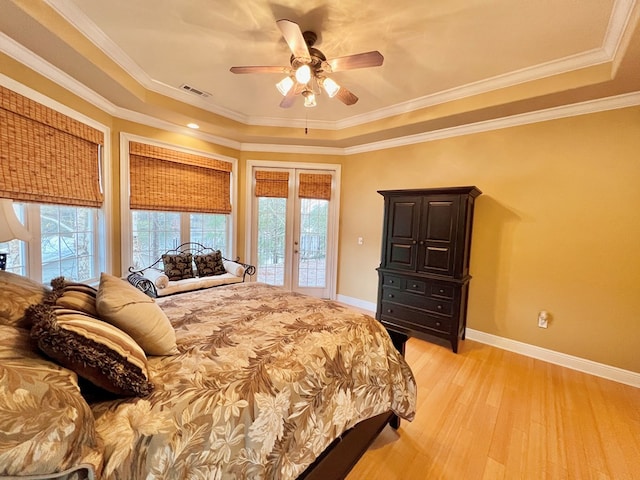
(126, 229)
(104, 227)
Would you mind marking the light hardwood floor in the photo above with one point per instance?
(489, 414)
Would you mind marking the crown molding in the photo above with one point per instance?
(617, 24)
(564, 65)
(583, 108)
(22, 55)
(299, 149)
(28, 58)
(620, 17)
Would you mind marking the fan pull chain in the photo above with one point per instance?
(306, 122)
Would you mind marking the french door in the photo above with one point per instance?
(294, 228)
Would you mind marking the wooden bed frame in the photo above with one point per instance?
(340, 457)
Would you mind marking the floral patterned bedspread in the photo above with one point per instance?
(265, 380)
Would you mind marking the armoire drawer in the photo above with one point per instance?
(433, 305)
(413, 318)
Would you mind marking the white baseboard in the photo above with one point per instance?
(356, 302)
(575, 363)
(569, 361)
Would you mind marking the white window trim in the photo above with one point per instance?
(125, 211)
(105, 224)
(332, 270)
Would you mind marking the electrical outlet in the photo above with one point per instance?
(543, 319)
(360, 241)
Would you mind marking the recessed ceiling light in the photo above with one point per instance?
(195, 126)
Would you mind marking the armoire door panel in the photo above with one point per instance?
(401, 255)
(404, 220)
(441, 221)
(439, 226)
(437, 259)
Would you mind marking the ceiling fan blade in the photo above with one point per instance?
(293, 36)
(260, 69)
(346, 97)
(359, 60)
(290, 97)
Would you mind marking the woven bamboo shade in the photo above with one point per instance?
(272, 184)
(173, 181)
(45, 156)
(315, 185)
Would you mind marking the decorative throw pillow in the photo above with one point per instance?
(95, 350)
(210, 264)
(178, 267)
(16, 294)
(123, 305)
(72, 295)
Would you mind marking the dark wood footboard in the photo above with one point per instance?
(341, 456)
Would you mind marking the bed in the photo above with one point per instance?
(263, 384)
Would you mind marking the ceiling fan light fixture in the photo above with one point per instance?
(303, 74)
(330, 87)
(285, 85)
(309, 98)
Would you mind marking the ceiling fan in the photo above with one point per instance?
(307, 74)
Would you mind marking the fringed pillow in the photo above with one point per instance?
(95, 350)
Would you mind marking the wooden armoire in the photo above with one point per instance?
(424, 267)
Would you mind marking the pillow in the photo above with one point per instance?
(93, 349)
(47, 426)
(210, 264)
(16, 294)
(123, 305)
(177, 267)
(159, 279)
(72, 295)
(234, 268)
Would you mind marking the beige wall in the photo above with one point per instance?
(557, 228)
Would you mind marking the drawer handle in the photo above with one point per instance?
(441, 290)
(414, 286)
(438, 324)
(391, 295)
(389, 310)
(391, 281)
(439, 307)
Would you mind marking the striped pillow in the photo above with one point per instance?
(72, 295)
(93, 349)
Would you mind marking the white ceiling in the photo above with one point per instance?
(434, 51)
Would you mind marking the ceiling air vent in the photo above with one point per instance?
(195, 91)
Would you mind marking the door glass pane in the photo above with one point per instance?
(153, 234)
(67, 242)
(272, 215)
(312, 265)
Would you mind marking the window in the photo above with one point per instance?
(174, 196)
(68, 241)
(156, 232)
(52, 170)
